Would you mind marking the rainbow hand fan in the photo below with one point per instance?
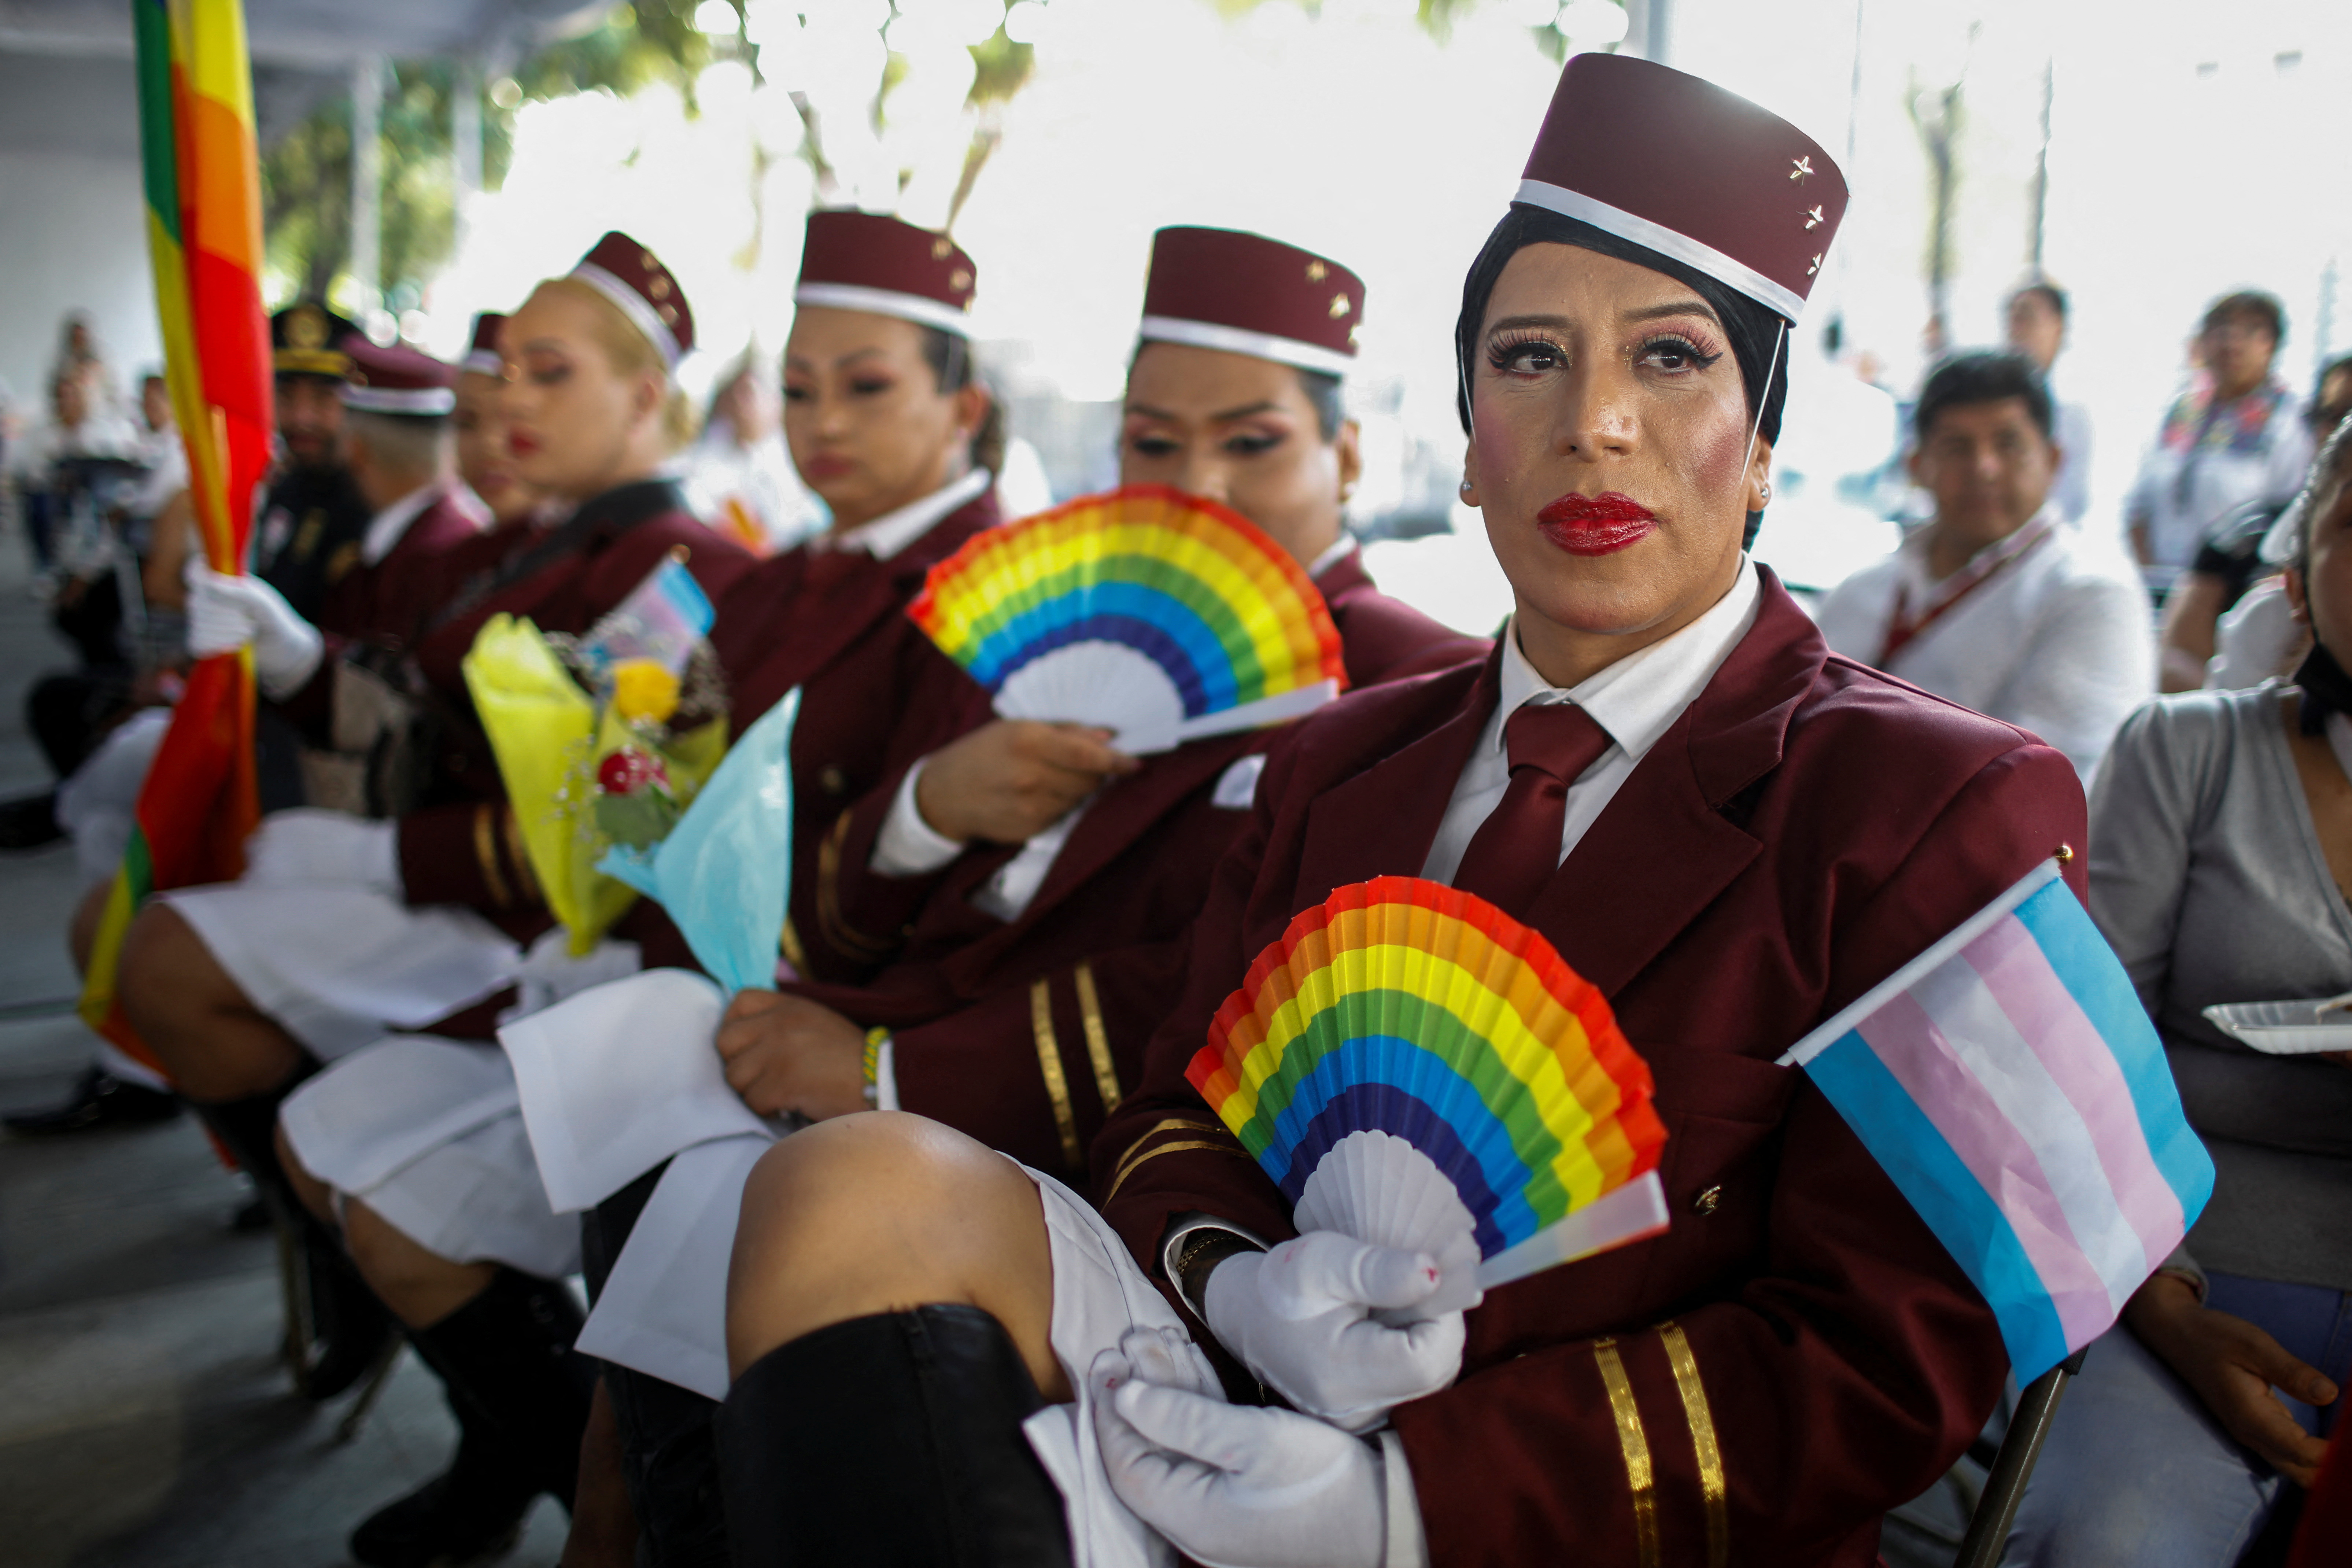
(1411, 1063)
(1147, 611)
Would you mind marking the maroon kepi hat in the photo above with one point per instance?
(396, 380)
(1246, 294)
(1676, 163)
(482, 356)
(634, 278)
(866, 261)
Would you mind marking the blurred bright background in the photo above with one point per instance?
(2146, 158)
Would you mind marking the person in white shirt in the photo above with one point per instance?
(2037, 329)
(1994, 604)
(738, 475)
(2235, 435)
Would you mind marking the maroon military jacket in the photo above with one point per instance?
(1024, 1034)
(1798, 1353)
(390, 601)
(465, 849)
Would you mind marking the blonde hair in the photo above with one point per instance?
(632, 354)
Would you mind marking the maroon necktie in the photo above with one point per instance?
(1517, 848)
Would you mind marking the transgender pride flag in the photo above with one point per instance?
(2010, 1082)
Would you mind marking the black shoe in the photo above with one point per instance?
(29, 823)
(471, 1513)
(892, 1441)
(507, 1360)
(100, 1100)
(335, 1328)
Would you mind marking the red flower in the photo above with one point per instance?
(630, 771)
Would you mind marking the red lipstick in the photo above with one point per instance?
(825, 466)
(521, 443)
(1600, 525)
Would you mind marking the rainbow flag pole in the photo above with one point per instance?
(203, 182)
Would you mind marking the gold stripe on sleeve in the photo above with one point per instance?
(486, 852)
(1098, 1038)
(1710, 1456)
(1128, 1159)
(1049, 1068)
(794, 953)
(830, 922)
(1636, 1446)
(1177, 1148)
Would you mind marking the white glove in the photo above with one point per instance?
(226, 613)
(311, 848)
(1235, 1487)
(1301, 1317)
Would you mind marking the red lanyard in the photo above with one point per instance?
(1902, 629)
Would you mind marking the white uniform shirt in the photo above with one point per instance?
(1635, 700)
(2057, 642)
(2181, 491)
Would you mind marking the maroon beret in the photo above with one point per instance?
(865, 261)
(396, 380)
(1221, 289)
(634, 278)
(1676, 163)
(482, 356)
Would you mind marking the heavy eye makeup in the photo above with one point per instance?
(544, 369)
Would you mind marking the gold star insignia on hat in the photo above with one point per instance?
(648, 260)
(941, 249)
(1802, 170)
(1317, 272)
(1813, 219)
(306, 327)
(960, 281)
(658, 286)
(1816, 267)
(668, 313)
(1339, 306)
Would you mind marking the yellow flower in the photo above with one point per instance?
(644, 692)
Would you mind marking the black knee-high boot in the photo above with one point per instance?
(338, 1327)
(891, 1440)
(520, 1394)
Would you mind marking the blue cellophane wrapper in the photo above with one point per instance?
(724, 874)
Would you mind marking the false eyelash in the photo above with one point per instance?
(1500, 352)
(1698, 355)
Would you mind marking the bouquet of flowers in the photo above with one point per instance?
(602, 740)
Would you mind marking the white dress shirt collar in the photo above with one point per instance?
(891, 532)
(385, 530)
(1640, 696)
(1339, 552)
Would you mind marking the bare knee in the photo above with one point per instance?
(166, 974)
(316, 1195)
(191, 1011)
(420, 1287)
(882, 1212)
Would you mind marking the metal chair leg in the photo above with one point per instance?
(378, 1377)
(1996, 1509)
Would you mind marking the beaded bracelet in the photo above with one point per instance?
(871, 1062)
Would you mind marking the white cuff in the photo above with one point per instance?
(1408, 1546)
(885, 1076)
(907, 846)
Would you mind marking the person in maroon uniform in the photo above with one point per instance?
(345, 931)
(484, 462)
(1727, 830)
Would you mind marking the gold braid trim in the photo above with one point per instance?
(1639, 1475)
(518, 857)
(1150, 1154)
(1710, 1456)
(829, 920)
(1049, 1066)
(794, 953)
(1165, 1124)
(1098, 1038)
(486, 853)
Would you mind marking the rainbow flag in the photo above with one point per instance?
(2011, 1083)
(203, 235)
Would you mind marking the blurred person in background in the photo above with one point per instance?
(2036, 316)
(2220, 863)
(42, 465)
(2234, 436)
(309, 517)
(479, 419)
(2236, 566)
(344, 931)
(1994, 602)
(739, 474)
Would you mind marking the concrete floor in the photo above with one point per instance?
(144, 1420)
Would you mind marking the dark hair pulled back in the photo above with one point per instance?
(955, 367)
